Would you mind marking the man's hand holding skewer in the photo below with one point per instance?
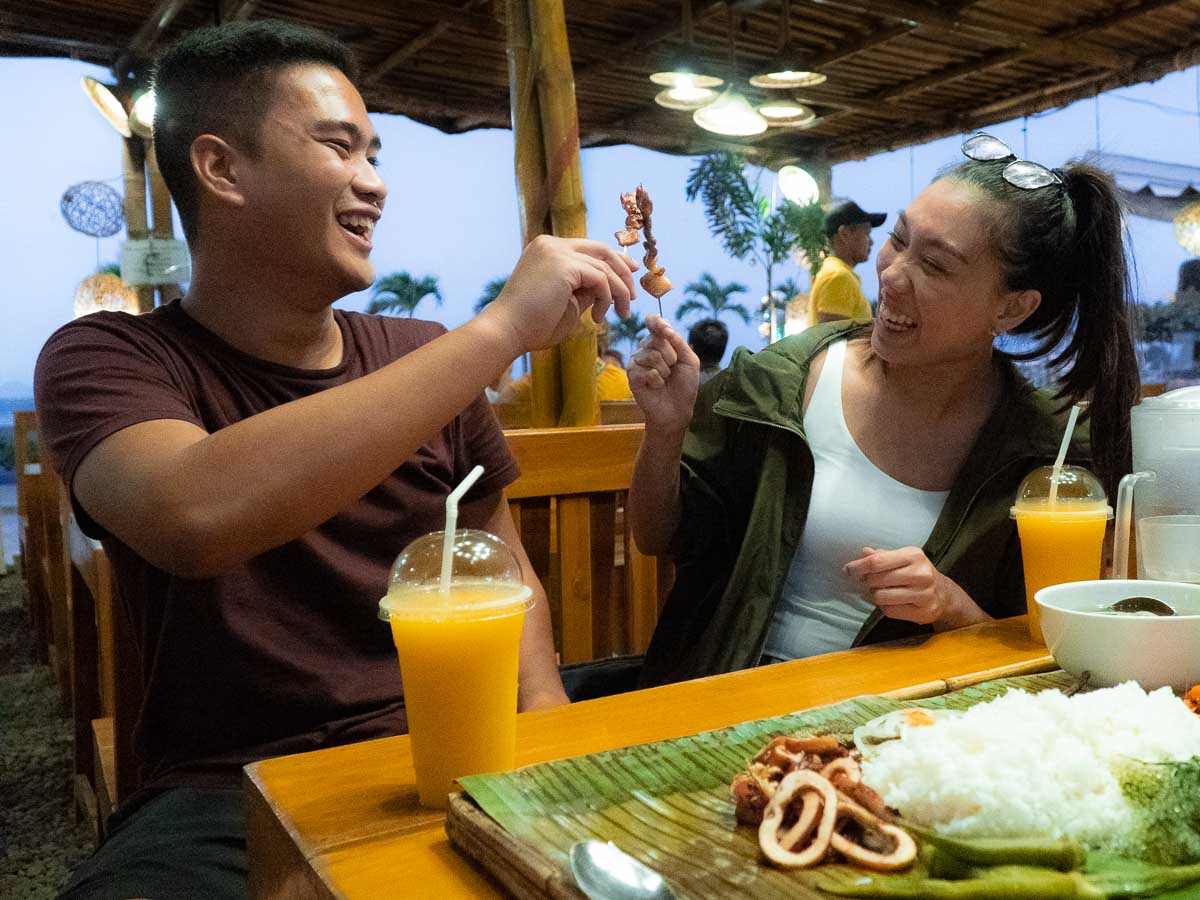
(554, 282)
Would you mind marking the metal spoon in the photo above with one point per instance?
(606, 872)
(1142, 604)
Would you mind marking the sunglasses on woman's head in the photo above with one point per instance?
(1020, 173)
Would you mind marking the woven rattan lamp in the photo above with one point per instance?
(1187, 228)
(104, 292)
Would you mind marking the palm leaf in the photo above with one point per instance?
(491, 291)
(730, 204)
(400, 292)
(629, 329)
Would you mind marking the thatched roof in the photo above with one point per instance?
(899, 71)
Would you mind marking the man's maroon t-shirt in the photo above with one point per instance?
(284, 652)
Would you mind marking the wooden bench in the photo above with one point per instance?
(568, 506)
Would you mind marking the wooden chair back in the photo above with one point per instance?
(612, 412)
(54, 573)
(106, 672)
(512, 415)
(31, 488)
(568, 506)
(620, 412)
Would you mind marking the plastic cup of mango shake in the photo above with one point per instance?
(458, 641)
(1061, 515)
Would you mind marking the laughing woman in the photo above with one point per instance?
(852, 484)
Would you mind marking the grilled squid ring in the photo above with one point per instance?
(902, 854)
(809, 783)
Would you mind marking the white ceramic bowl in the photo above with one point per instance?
(1152, 650)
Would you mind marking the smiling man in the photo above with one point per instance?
(253, 459)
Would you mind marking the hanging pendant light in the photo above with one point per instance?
(681, 76)
(687, 94)
(731, 113)
(106, 102)
(786, 113)
(780, 73)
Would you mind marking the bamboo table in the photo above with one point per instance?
(345, 822)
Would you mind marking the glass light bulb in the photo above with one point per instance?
(798, 185)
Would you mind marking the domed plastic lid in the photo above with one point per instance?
(1185, 399)
(1079, 493)
(484, 574)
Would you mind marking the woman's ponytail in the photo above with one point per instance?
(1099, 360)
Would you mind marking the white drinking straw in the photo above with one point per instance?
(1062, 454)
(451, 522)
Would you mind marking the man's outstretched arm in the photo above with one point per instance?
(194, 503)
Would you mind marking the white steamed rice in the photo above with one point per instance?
(1033, 764)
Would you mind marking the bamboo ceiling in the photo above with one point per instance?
(899, 71)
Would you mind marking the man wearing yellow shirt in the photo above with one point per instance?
(612, 381)
(837, 289)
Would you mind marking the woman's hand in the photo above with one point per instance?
(664, 376)
(906, 585)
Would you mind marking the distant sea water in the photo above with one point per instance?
(9, 405)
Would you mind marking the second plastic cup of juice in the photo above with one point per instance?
(459, 651)
(1062, 538)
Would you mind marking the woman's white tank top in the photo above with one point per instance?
(853, 505)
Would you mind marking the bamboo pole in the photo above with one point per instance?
(162, 222)
(136, 223)
(532, 202)
(551, 59)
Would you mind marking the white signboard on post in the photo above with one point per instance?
(155, 261)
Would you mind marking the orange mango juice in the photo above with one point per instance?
(458, 662)
(1057, 546)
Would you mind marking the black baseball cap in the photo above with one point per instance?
(850, 213)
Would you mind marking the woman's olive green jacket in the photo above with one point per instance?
(746, 477)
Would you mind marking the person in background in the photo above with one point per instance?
(837, 289)
(708, 338)
(612, 381)
(253, 459)
(852, 483)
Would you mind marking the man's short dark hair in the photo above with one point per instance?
(221, 80)
(708, 338)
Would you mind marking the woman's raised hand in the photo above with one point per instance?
(665, 375)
